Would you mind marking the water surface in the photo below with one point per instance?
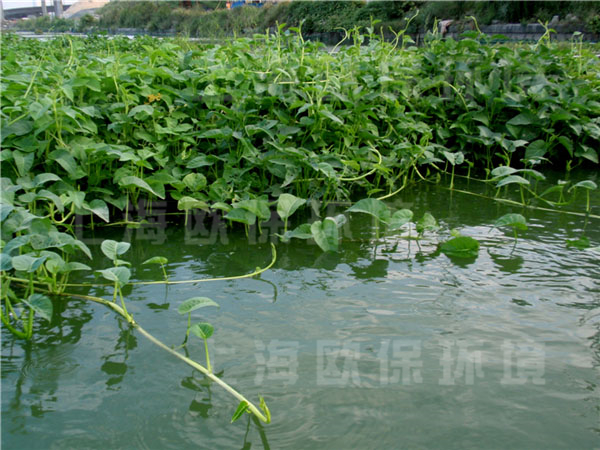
(387, 344)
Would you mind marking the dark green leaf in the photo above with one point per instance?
(582, 243)
(461, 246)
(535, 150)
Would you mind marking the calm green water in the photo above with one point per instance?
(384, 345)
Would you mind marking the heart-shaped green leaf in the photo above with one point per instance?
(27, 263)
(112, 249)
(426, 223)
(203, 330)
(512, 220)
(585, 184)
(119, 275)
(194, 181)
(461, 246)
(400, 218)
(241, 215)
(512, 179)
(503, 171)
(133, 181)
(186, 203)
(99, 208)
(287, 204)
(41, 304)
(257, 206)
(5, 210)
(74, 266)
(373, 207)
(193, 303)
(326, 234)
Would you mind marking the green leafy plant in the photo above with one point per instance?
(588, 185)
(118, 274)
(426, 223)
(162, 261)
(189, 305)
(515, 221)
(382, 213)
(461, 247)
(288, 204)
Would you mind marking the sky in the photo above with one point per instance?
(10, 4)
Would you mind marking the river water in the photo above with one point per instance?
(387, 344)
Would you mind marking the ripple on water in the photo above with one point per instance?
(50, 363)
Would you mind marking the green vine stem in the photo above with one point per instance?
(258, 271)
(538, 208)
(257, 412)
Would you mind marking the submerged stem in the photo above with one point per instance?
(13, 330)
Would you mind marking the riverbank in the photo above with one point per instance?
(324, 21)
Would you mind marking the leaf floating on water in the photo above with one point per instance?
(582, 243)
(461, 246)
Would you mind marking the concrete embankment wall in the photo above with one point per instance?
(502, 32)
